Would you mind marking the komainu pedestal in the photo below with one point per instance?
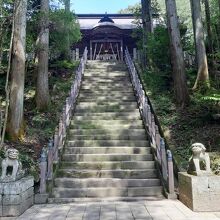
(200, 193)
(16, 191)
(16, 197)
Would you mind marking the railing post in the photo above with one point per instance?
(56, 145)
(153, 131)
(43, 171)
(163, 159)
(134, 54)
(170, 172)
(77, 53)
(158, 144)
(50, 160)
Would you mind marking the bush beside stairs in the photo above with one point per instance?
(107, 154)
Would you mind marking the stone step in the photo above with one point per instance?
(135, 112)
(116, 104)
(105, 108)
(106, 127)
(107, 192)
(103, 63)
(106, 81)
(103, 72)
(109, 137)
(107, 150)
(106, 157)
(104, 182)
(105, 199)
(111, 87)
(112, 83)
(106, 68)
(106, 89)
(109, 165)
(109, 131)
(107, 143)
(127, 174)
(108, 117)
(105, 122)
(108, 65)
(106, 99)
(104, 78)
(98, 93)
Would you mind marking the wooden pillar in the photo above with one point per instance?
(73, 55)
(90, 50)
(134, 54)
(121, 50)
(77, 53)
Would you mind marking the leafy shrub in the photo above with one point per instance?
(158, 48)
(64, 64)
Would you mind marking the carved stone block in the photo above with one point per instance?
(16, 197)
(200, 193)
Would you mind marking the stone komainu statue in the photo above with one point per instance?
(11, 160)
(199, 155)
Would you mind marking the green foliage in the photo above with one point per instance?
(212, 97)
(158, 48)
(64, 64)
(63, 24)
(29, 165)
(215, 162)
(131, 9)
(136, 9)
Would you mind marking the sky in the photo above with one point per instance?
(100, 6)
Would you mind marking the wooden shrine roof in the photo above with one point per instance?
(122, 21)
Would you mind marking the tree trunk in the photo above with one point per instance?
(42, 94)
(178, 65)
(202, 65)
(209, 25)
(146, 20)
(219, 23)
(67, 37)
(1, 31)
(15, 126)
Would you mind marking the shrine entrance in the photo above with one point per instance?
(106, 49)
(106, 36)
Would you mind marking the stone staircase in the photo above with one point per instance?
(107, 154)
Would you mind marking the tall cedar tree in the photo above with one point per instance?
(209, 27)
(178, 65)
(42, 93)
(201, 58)
(15, 126)
(67, 37)
(146, 20)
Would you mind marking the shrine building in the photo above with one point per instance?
(106, 35)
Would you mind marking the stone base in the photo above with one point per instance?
(171, 196)
(16, 197)
(200, 193)
(41, 198)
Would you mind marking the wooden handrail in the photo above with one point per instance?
(56, 144)
(163, 158)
